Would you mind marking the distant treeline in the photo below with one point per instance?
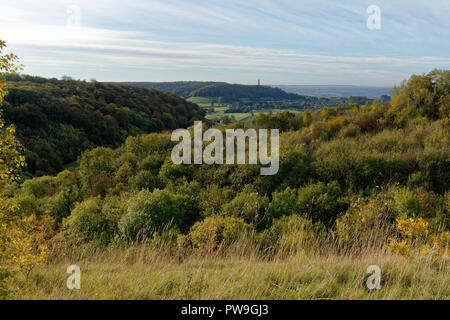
(248, 94)
(228, 92)
(301, 105)
(57, 120)
(181, 88)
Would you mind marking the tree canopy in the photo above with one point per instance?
(57, 120)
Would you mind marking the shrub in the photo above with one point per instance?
(124, 173)
(408, 205)
(221, 175)
(115, 206)
(293, 172)
(96, 168)
(144, 145)
(334, 162)
(152, 163)
(415, 238)
(321, 202)
(217, 231)
(188, 197)
(170, 242)
(100, 183)
(173, 172)
(413, 234)
(437, 245)
(283, 203)
(350, 131)
(290, 234)
(243, 175)
(385, 141)
(40, 187)
(366, 121)
(435, 166)
(249, 206)
(213, 198)
(21, 247)
(373, 169)
(355, 168)
(294, 168)
(27, 204)
(336, 124)
(145, 179)
(366, 225)
(60, 205)
(149, 212)
(88, 222)
(319, 131)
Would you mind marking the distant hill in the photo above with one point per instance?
(238, 91)
(57, 120)
(231, 93)
(228, 92)
(181, 88)
(339, 91)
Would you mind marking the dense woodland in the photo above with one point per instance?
(343, 172)
(57, 120)
(180, 88)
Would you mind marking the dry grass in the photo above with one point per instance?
(143, 272)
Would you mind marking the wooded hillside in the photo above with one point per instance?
(57, 120)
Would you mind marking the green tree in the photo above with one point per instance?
(89, 222)
(18, 250)
(283, 203)
(250, 206)
(427, 95)
(322, 202)
(150, 212)
(217, 231)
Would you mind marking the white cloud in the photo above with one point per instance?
(115, 50)
(297, 41)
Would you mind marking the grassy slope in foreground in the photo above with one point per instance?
(144, 273)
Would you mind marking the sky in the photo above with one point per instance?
(315, 42)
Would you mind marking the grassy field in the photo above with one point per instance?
(219, 112)
(201, 101)
(235, 116)
(277, 111)
(141, 272)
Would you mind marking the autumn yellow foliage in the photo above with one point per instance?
(19, 251)
(415, 236)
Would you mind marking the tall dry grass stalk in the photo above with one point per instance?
(161, 269)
